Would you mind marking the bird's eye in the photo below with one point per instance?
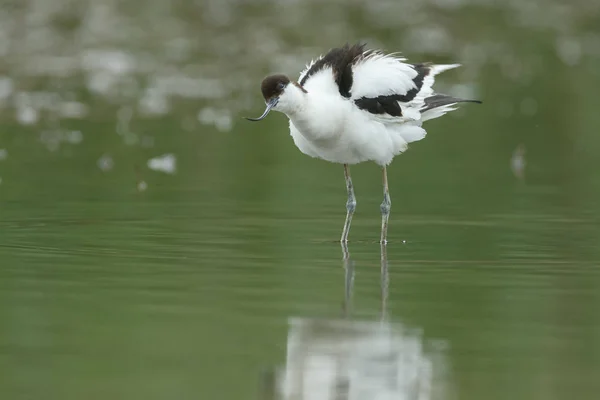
(280, 86)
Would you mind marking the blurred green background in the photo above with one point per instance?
(155, 245)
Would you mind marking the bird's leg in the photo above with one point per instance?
(350, 204)
(386, 205)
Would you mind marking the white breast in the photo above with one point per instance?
(334, 129)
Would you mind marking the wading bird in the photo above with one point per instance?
(353, 105)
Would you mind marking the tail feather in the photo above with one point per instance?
(439, 104)
(439, 68)
(439, 100)
(426, 89)
(427, 104)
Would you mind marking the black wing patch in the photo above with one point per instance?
(422, 71)
(340, 60)
(380, 105)
(389, 104)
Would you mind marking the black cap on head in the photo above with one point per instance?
(273, 86)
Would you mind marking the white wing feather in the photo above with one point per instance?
(384, 75)
(379, 74)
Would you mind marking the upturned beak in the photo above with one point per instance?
(270, 104)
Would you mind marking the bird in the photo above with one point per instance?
(353, 105)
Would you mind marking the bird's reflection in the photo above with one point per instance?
(385, 281)
(346, 358)
(348, 280)
(348, 265)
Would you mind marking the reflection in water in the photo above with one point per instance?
(385, 281)
(350, 359)
(518, 162)
(349, 279)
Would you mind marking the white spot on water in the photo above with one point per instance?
(105, 163)
(221, 119)
(101, 82)
(153, 102)
(518, 162)
(27, 115)
(142, 186)
(73, 109)
(166, 163)
(114, 62)
(73, 137)
(6, 87)
(569, 50)
(3, 154)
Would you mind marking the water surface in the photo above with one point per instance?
(214, 271)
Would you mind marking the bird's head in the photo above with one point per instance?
(280, 94)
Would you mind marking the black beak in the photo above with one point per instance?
(270, 104)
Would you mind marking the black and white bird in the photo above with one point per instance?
(353, 105)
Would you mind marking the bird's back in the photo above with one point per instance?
(382, 85)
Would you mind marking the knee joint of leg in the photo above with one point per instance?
(351, 205)
(386, 207)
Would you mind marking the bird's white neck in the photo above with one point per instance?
(293, 101)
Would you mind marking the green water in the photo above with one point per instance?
(209, 283)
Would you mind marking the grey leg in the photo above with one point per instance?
(386, 205)
(350, 204)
